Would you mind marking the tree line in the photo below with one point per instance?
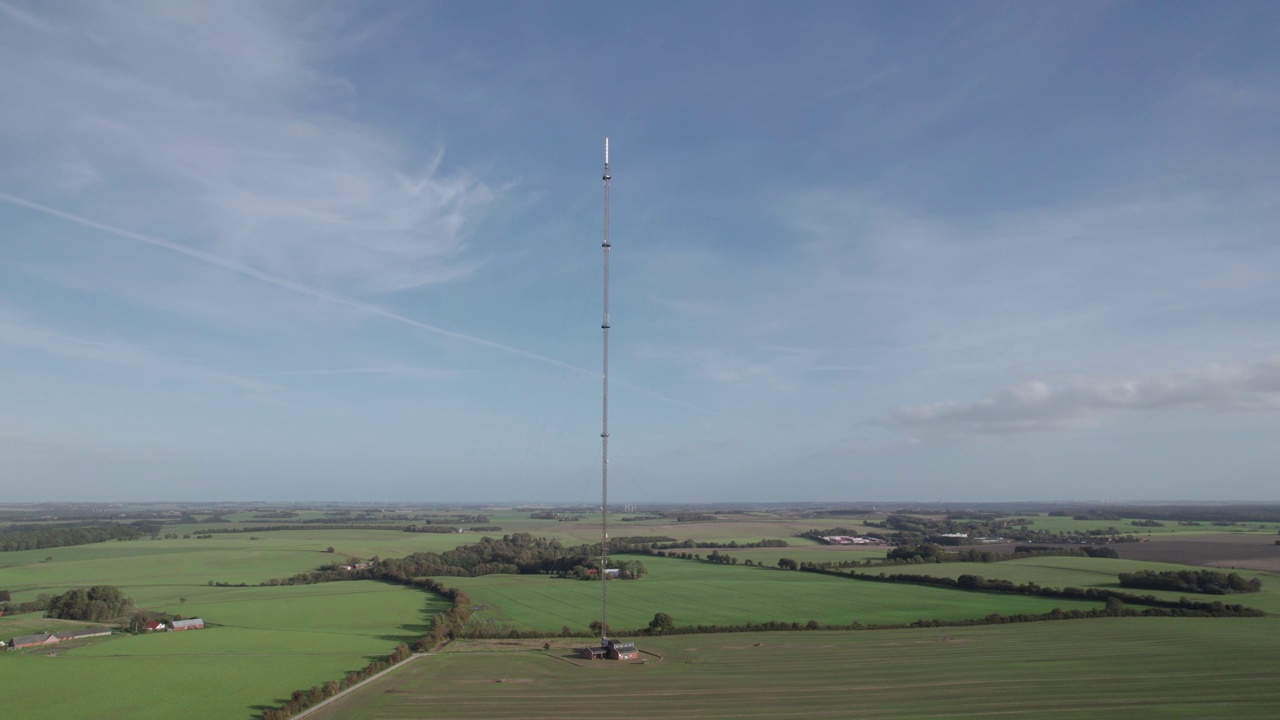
(513, 554)
(1180, 607)
(39, 537)
(1209, 582)
(914, 554)
(300, 700)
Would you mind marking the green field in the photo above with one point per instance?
(1067, 524)
(702, 593)
(1087, 669)
(803, 553)
(1059, 572)
(261, 644)
(158, 572)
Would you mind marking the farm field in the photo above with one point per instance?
(1170, 527)
(261, 644)
(803, 553)
(157, 572)
(1081, 572)
(702, 593)
(1131, 667)
(1235, 550)
(264, 642)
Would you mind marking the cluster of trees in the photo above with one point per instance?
(731, 545)
(1146, 523)
(553, 515)
(38, 537)
(1223, 515)
(441, 529)
(302, 699)
(1209, 582)
(514, 554)
(454, 520)
(694, 517)
(1106, 535)
(914, 554)
(627, 570)
(96, 604)
(819, 533)
(1088, 515)
(1050, 551)
(913, 530)
(914, 527)
(273, 528)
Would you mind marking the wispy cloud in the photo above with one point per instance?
(210, 115)
(294, 286)
(23, 336)
(419, 373)
(18, 14)
(1082, 401)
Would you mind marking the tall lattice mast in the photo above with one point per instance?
(604, 425)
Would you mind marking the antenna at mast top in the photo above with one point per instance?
(606, 151)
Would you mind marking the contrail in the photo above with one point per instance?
(235, 267)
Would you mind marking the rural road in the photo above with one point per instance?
(360, 684)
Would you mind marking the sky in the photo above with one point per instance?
(918, 251)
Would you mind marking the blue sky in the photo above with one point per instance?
(894, 251)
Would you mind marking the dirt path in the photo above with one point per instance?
(360, 684)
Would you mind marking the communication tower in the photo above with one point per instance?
(604, 423)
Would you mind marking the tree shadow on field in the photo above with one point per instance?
(411, 632)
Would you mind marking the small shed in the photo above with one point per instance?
(154, 625)
(192, 624)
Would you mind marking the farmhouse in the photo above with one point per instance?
(192, 624)
(26, 641)
(155, 625)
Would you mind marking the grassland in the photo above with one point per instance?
(266, 641)
(1068, 524)
(1131, 667)
(804, 553)
(1058, 572)
(158, 572)
(261, 643)
(702, 593)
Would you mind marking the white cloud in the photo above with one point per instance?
(210, 115)
(1082, 401)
